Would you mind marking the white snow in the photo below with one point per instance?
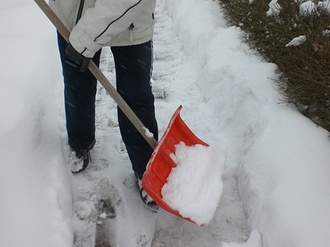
(148, 133)
(103, 215)
(83, 209)
(274, 8)
(296, 41)
(75, 163)
(255, 240)
(307, 8)
(194, 186)
(276, 176)
(324, 6)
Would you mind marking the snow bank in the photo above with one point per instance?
(286, 184)
(35, 191)
(281, 158)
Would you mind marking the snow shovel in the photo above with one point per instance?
(160, 163)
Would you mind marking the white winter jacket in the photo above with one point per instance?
(105, 22)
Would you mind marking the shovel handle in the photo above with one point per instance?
(99, 76)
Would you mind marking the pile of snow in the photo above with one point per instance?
(307, 8)
(297, 41)
(281, 158)
(324, 6)
(194, 186)
(274, 8)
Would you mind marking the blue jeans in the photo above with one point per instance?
(133, 66)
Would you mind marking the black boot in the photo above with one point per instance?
(144, 196)
(79, 160)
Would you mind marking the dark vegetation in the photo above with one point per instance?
(304, 69)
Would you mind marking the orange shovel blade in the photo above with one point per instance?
(161, 164)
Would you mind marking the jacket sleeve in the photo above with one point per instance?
(102, 22)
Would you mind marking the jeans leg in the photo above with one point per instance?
(133, 73)
(79, 95)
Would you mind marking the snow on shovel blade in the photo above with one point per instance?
(161, 164)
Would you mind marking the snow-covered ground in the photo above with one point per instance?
(276, 175)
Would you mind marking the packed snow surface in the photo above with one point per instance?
(194, 186)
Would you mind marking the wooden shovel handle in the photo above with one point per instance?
(99, 76)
